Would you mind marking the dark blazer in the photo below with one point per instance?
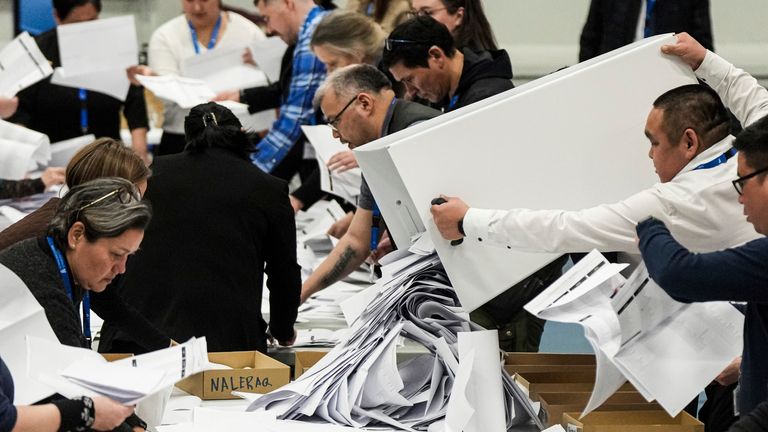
(219, 223)
(55, 110)
(613, 23)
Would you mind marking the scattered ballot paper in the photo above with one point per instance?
(344, 185)
(223, 69)
(21, 65)
(668, 350)
(21, 150)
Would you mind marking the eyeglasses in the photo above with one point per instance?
(123, 194)
(425, 12)
(332, 122)
(738, 184)
(389, 44)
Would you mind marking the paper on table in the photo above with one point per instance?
(22, 64)
(21, 316)
(100, 45)
(268, 54)
(354, 306)
(21, 150)
(62, 151)
(12, 214)
(223, 69)
(345, 185)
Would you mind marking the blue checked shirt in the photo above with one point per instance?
(308, 73)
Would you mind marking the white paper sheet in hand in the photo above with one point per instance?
(344, 185)
(185, 92)
(20, 316)
(268, 54)
(223, 69)
(110, 82)
(21, 150)
(21, 65)
(488, 147)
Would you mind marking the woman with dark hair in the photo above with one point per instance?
(465, 19)
(219, 224)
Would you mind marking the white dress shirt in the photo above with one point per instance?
(700, 206)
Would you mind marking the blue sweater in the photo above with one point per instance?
(7, 410)
(736, 274)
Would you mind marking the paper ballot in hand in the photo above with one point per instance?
(21, 65)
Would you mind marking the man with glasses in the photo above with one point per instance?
(360, 106)
(422, 54)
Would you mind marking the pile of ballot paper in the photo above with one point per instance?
(668, 350)
(360, 383)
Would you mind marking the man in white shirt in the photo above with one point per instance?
(692, 153)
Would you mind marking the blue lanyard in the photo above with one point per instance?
(82, 94)
(648, 32)
(375, 227)
(214, 35)
(723, 158)
(454, 101)
(62, 265)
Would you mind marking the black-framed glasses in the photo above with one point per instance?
(123, 194)
(333, 121)
(738, 184)
(389, 44)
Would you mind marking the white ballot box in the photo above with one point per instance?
(570, 140)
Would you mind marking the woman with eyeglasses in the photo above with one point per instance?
(96, 227)
(465, 19)
(104, 157)
(220, 223)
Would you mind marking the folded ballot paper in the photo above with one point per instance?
(21, 150)
(73, 371)
(344, 185)
(668, 350)
(535, 146)
(361, 384)
(21, 65)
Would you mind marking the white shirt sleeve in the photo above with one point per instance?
(740, 92)
(609, 227)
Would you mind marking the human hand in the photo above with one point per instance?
(340, 227)
(8, 106)
(53, 176)
(248, 57)
(138, 70)
(342, 161)
(688, 49)
(290, 341)
(109, 414)
(731, 373)
(448, 215)
(229, 95)
(384, 247)
(296, 203)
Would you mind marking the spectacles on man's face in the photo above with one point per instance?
(334, 121)
(123, 194)
(738, 184)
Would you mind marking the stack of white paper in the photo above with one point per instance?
(21, 150)
(96, 54)
(668, 350)
(344, 185)
(21, 65)
(359, 383)
(78, 371)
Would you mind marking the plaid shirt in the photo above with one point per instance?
(308, 73)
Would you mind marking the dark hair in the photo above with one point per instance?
(212, 125)
(752, 142)
(475, 30)
(409, 42)
(107, 207)
(694, 106)
(64, 7)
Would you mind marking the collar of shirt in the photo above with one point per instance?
(707, 155)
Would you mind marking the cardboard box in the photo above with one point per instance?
(631, 421)
(305, 360)
(561, 382)
(555, 404)
(251, 372)
(548, 362)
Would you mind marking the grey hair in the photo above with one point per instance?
(102, 217)
(352, 80)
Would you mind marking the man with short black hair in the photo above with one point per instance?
(421, 54)
(360, 106)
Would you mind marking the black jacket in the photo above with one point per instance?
(485, 73)
(55, 110)
(219, 223)
(612, 24)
